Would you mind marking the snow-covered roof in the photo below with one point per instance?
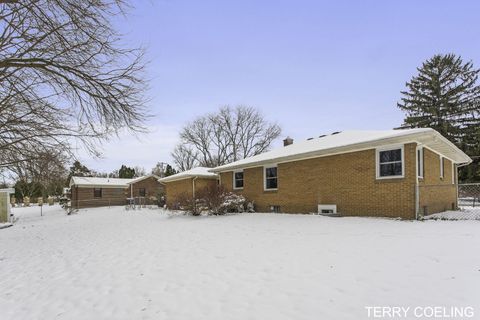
(143, 178)
(8, 190)
(200, 172)
(348, 141)
(100, 182)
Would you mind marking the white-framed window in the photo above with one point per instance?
(420, 162)
(270, 177)
(390, 162)
(442, 167)
(238, 179)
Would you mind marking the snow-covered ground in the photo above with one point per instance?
(112, 264)
(467, 213)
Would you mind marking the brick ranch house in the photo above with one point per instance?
(97, 192)
(394, 173)
(186, 183)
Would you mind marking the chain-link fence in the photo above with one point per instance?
(442, 197)
(469, 195)
(129, 203)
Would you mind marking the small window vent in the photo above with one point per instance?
(275, 209)
(327, 209)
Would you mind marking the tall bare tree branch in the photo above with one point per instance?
(228, 135)
(65, 80)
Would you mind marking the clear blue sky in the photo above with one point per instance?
(312, 66)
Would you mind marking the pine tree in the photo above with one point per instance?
(126, 172)
(79, 170)
(445, 96)
(169, 171)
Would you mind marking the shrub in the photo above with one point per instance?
(213, 200)
(217, 201)
(186, 202)
(232, 203)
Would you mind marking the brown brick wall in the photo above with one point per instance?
(152, 187)
(203, 183)
(436, 194)
(174, 189)
(347, 180)
(84, 197)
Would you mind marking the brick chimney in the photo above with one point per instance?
(288, 141)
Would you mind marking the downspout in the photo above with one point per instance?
(417, 200)
(456, 175)
(164, 185)
(417, 188)
(455, 180)
(193, 186)
(193, 192)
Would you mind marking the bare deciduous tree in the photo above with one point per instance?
(159, 169)
(139, 172)
(64, 78)
(44, 176)
(185, 158)
(229, 135)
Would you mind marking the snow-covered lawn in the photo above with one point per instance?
(467, 213)
(112, 264)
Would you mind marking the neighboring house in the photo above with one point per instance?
(146, 186)
(187, 183)
(394, 173)
(98, 192)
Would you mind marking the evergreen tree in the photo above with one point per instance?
(170, 171)
(79, 170)
(163, 169)
(126, 172)
(445, 96)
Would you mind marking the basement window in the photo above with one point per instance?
(275, 209)
(271, 179)
(238, 180)
(390, 163)
(97, 192)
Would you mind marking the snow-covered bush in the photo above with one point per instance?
(232, 203)
(211, 197)
(188, 204)
(250, 207)
(212, 200)
(216, 201)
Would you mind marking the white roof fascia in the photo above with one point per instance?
(422, 137)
